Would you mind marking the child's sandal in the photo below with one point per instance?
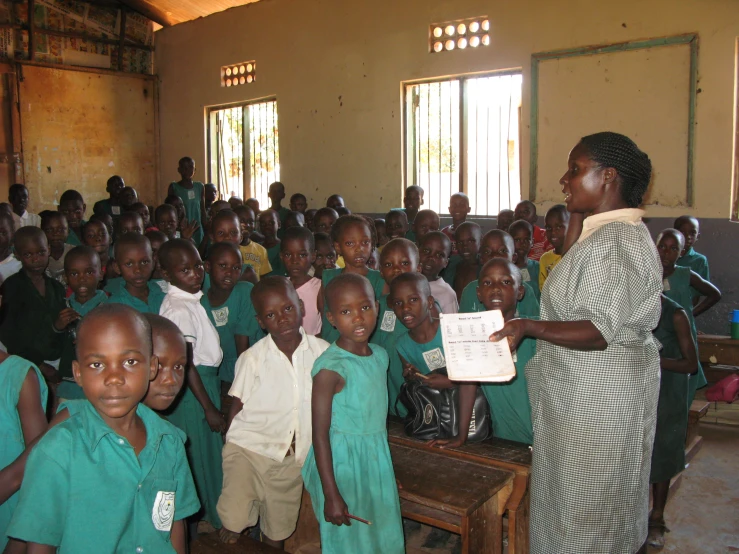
(656, 536)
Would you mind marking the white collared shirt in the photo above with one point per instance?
(444, 294)
(30, 220)
(184, 310)
(277, 398)
(9, 266)
(630, 216)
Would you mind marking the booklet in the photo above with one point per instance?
(470, 356)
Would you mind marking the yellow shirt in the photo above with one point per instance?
(255, 255)
(340, 262)
(546, 264)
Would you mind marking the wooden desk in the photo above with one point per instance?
(463, 497)
(718, 349)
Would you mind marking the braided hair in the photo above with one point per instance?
(633, 166)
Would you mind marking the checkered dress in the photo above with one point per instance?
(594, 412)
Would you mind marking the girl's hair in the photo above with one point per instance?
(633, 166)
(346, 221)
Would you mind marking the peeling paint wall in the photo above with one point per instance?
(80, 128)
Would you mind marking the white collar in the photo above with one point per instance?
(303, 342)
(179, 293)
(630, 216)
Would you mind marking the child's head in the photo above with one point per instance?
(380, 231)
(351, 307)
(525, 210)
(156, 239)
(298, 251)
(325, 254)
(18, 197)
(54, 225)
(354, 238)
(170, 350)
(413, 199)
(467, 239)
(499, 287)
(505, 218)
(143, 210)
(298, 202)
(496, 244)
(128, 197)
(555, 226)
(521, 232)
(278, 307)
(224, 265)
(335, 201)
(7, 209)
(343, 210)
(411, 300)
(690, 227)
(106, 220)
(225, 226)
(434, 249)
(83, 272)
(179, 206)
(396, 224)
(134, 259)
(211, 193)
(32, 249)
(114, 186)
(310, 215)
(166, 220)
(425, 222)
(670, 246)
(114, 362)
(186, 168)
(459, 207)
(276, 193)
(398, 256)
(73, 207)
(294, 219)
(95, 235)
(7, 230)
(235, 202)
(247, 221)
(129, 222)
(324, 219)
(253, 203)
(219, 205)
(269, 223)
(181, 265)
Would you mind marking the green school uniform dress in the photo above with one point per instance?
(191, 199)
(273, 255)
(89, 492)
(27, 328)
(13, 373)
(698, 263)
(527, 307)
(152, 304)
(530, 276)
(425, 357)
(411, 235)
(361, 457)
(386, 334)
(328, 331)
(104, 206)
(677, 287)
(68, 389)
(668, 455)
(236, 316)
(114, 285)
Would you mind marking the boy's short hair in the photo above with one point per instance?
(136, 206)
(521, 223)
(26, 234)
(560, 209)
(225, 213)
(685, 219)
(415, 278)
(80, 252)
(321, 238)
(219, 247)
(186, 159)
(441, 236)
(415, 188)
(515, 272)
(70, 195)
(347, 279)
(400, 243)
(160, 323)
(298, 195)
(347, 220)
(461, 195)
(47, 215)
(674, 232)
(156, 234)
(113, 309)
(15, 189)
(396, 212)
(271, 283)
(129, 239)
(168, 249)
(161, 208)
(469, 225)
(299, 233)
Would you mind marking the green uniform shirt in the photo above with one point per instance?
(72, 237)
(191, 199)
(424, 357)
(114, 285)
(527, 307)
(273, 255)
(151, 306)
(105, 207)
(386, 334)
(530, 276)
(86, 491)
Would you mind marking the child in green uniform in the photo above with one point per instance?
(269, 224)
(134, 260)
(111, 206)
(678, 359)
(690, 228)
(396, 225)
(521, 232)
(426, 221)
(228, 305)
(54, 226)
(72, 205)
(166, 220)
(226, 227)
(145, 467)
(354, 238)
(129, 222)
(412, 202)
(325, 254)
(276, 195)
(252, 253)
(324, 220)
(197, 411)
(677, 284)
(82, 268)
(192, 195)
(95, 235)
(399, 256)
(348, 470)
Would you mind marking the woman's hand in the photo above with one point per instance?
(514, 330)
(215, 420)
(335, 510)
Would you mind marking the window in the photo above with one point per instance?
(243, 149)
(462, 135)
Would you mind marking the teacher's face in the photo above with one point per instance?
(582, 183)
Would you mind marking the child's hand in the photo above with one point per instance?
(188, 229)
(336, 511)
(215, 420)
(65, 317)
(438, 381)
(411, 372)
(514, 330)
(454, 442)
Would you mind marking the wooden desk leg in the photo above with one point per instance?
(482, 531)
(518, 516)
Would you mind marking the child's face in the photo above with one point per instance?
(409, 304)
(276, 193)
(224, 269)
(309, 215)
(96, 236)
(669, 249)
(495, 246)
(171, 351)
(106, 220)
(397, 260)
(226, 230)
(179, 208)
(186, 169)
(297, 257)
(6, 236)
(424, 224)
(434, 257)
(497, 289)
(167, 222)
(298, 205)
(130, 222)
(33, 255)
(526, 212)
(280, 312)
(355, 245)
(113, 365)
(556, 230)
(412, 200)
(19, 200)
(114, 187)
(127, 197)
(373, 262)
(353, 311)
(156, 244)
(56, 230)
(74, 211)
(135, 263)
(505, 219)
(253, 203)
(468, 242)
(396, 225)
(83, 276)
(186, 270)
(381, 233)
(522, 243)
(690, 231)
(211, 194)
(323, 223)
(325, 258)
(335, 201)
(246, 221)
(143, 211)
(458, 208)
(268, 223)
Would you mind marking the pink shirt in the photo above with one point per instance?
(308, 293)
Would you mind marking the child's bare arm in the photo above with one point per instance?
(35, 548)
(319, 300)
(689, 361)
(707, 290)
(236, 406)
(325, 385)
(467, 392)
(212, 415)
(242, 344)
(178, 538)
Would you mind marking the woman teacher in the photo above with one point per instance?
(594, 381)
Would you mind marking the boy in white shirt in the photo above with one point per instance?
(435, 249)
(269, 432)
(18, 197)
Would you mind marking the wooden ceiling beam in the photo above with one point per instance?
(152, 12)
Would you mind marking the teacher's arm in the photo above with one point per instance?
(578, 335)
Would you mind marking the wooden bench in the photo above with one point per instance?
(497, 453)
(462, 497)
(211, 544)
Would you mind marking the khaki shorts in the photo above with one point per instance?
(256, 487)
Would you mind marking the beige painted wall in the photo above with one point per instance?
(311, 52)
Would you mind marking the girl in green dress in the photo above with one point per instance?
(348, 471)
(192, 194)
